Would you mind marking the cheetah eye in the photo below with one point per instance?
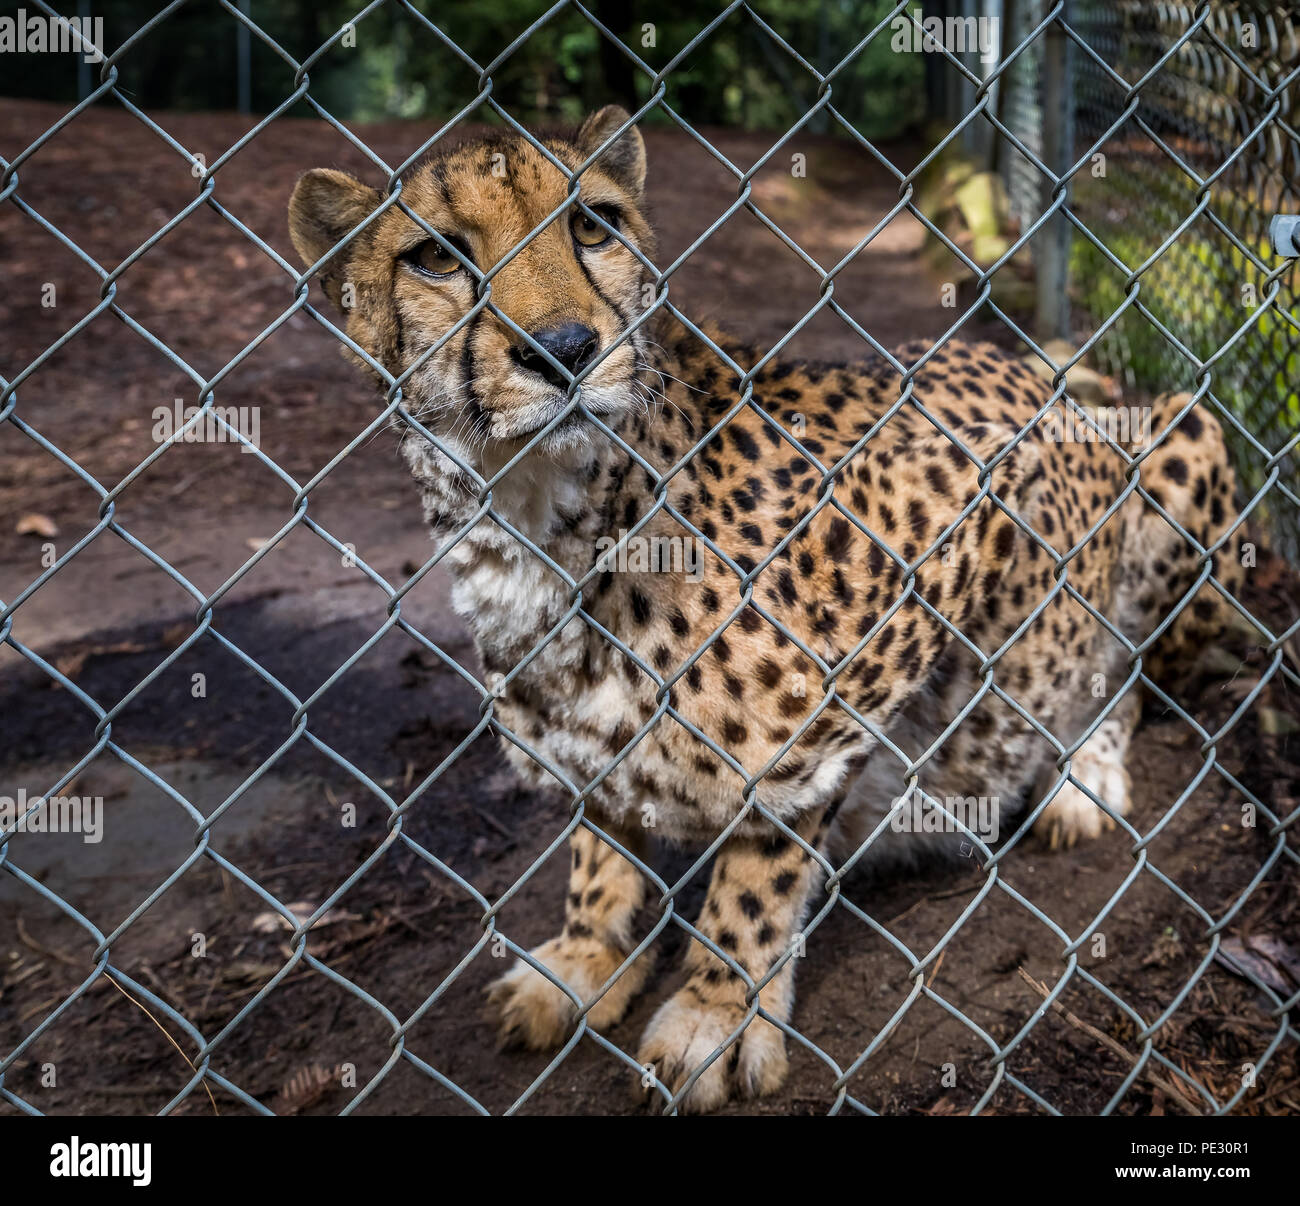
(432, 258)
(590, 233)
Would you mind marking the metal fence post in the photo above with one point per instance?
(243, 63)
(1052, 261)
(83, 67)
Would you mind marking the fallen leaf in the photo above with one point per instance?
(36, 524)
(1265, 959)
(71, 664)
(248, 969)
(270, 923)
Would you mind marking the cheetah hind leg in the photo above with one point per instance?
(1098, 765)
(1190, 475)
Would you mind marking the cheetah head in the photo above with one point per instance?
(455, 305)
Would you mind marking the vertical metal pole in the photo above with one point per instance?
(83, 67)
(820, 124)
(992, 16)
(971, 133)
(243, 63)
(936, 87)
(956, 84)
(1052, 309)
(1010, 35)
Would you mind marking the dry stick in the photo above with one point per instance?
(1286, 1087)
(168, 1037)
(1154, 1078)
(27, 940)
(207, 996)
(40, 1007)
(916, 904)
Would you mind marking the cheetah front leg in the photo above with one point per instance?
(755, 905)
(1098, 765)
(605, 892)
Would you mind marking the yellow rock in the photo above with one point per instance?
(982, 201)
(987, 249)
(1083, 384)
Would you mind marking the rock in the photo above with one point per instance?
(957, 173)
(988, 249)
(1011, 292)
(982, 201)
(1059, 350)
(1083, 384)
(945, 263)
(935, 193)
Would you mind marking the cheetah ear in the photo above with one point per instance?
(325, 207)
(624, 161)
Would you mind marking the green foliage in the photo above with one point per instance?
(399, 68)
(1204, 291)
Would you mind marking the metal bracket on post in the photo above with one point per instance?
(1284, 230)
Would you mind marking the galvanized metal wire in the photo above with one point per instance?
(1138, 99)
(1192, 114)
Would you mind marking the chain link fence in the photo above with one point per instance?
(1196, 130)
(1192, 152)
(1194, 241)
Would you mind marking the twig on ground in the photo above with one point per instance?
(168, 1037)
(1153, 1078)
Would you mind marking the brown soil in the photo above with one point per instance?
(401, 932)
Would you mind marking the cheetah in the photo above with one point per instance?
(904, 581)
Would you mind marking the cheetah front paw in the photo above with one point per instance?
(535, 1013)
(686, 1030)
(1072, 816)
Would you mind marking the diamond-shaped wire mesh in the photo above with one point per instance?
(1188, 116)
(1205, 132)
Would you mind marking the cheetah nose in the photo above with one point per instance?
(573, 345)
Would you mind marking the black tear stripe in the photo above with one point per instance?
(472, 404)
(401, 339)
(638, 348)
(600, 293)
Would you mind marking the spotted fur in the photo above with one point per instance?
(944, 582)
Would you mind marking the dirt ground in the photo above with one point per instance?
(401, 933)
